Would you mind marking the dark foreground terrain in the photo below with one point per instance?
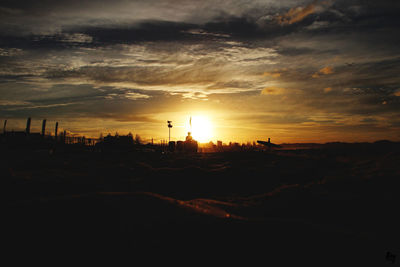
(335, 205)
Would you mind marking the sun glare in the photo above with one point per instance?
(201, 128)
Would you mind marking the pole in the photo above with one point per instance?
(4, 128)
(44, 127)
(56, 131)
(169, 130)
(28, 126)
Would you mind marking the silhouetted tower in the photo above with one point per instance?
(44, 127)
(28, 126)
(169, 130)
(56, 131)
(269, 140)
(189, 137)
(4, 127)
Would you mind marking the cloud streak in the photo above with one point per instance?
(299, 13)
(324, 71)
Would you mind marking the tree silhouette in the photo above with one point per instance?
(138, 139)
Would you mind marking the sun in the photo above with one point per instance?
(201, 128)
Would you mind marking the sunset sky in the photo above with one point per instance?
(294, 71)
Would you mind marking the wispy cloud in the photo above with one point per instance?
(13, 103)
(274, 74)
(297, 14)
(272, 91)
(324, 71)
(9, 52)
(76, 38)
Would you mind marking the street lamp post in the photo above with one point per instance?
(169, 130)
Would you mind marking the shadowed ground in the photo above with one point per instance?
(317, 206)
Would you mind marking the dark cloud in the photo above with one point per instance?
(297, 14)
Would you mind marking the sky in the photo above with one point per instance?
(290, 70)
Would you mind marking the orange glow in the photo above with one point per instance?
(201, 128)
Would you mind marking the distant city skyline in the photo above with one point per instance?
(290, 70)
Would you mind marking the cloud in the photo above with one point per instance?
(272, 74)
(76, 38)
(167, 66)
(9, 52)
(272, 91)
(13, 103)
(47, 17)
(203, 32)
(135, 96)
(324, 71)
(41, 106)
(121, 117)
(317, 25)
(101, 60)
(297, 14)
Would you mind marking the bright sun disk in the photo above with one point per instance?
(201, 129)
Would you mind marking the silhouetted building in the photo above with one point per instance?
(125, 140)
(117, 142)
(234, 146)
(189, 137)
(190, 145)
(171, 146)
(180, 146)
(219, 144)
